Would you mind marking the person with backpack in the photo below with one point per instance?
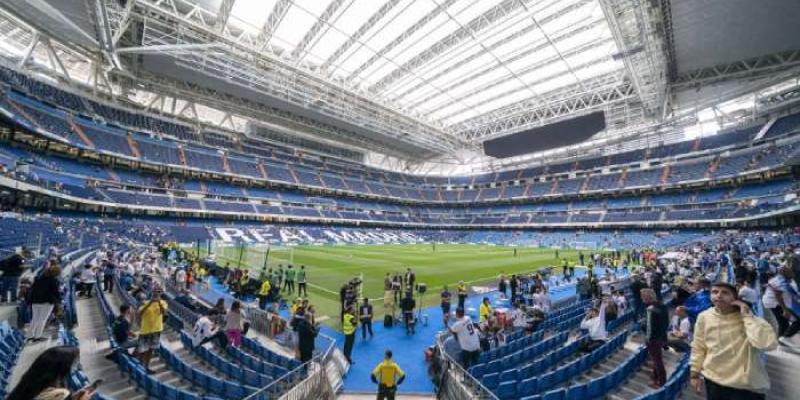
(121, 332)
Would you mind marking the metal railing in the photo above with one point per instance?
(453, 381)
(308, 381)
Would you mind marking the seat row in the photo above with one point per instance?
(494, 363)
(512, 345)
(218, 387)
(564, 373)
(594, 389)
(11, 343)
(235, 371)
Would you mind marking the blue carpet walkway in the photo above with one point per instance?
(408, 349)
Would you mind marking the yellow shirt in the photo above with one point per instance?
(462, 289)
(727, 349)
(387, 373)
(349, 324)
(485, 312)
(265, 287)
(151, 317)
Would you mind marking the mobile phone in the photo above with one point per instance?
(96, 384)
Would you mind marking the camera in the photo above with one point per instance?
(422, 288)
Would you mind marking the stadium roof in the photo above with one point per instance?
(413, 79)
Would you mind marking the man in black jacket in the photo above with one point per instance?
(636, 289)
(12, 268)
(306, 333)
(656, 335)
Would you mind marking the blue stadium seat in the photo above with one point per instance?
(169, 393)
(576, 392)
(491, 381)
(529, 385)
(510, 375)
(507, 390)
(595, 389)
(557, 394)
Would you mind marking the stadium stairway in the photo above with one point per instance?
(32, 350)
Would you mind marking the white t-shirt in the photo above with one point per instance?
(769, 299)
(622, 304)
(597, 325)
(180, 276)
(519, 317)
(203, 329)
(682, 325)
(748, 294)
(467, 334)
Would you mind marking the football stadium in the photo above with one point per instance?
(399, 199)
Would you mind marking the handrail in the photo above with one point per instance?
(464, 386)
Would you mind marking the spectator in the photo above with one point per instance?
(502, 286)
(234, 324)
(620, 301)
(121, 331)
(387, 375)
(365, 316)
(595, 323)
(306, 332)
(108, 276)
(700, 300)
(349, 324)
(87, 279)
(468, 339)
(12, 268)
(485, 311)
(746, 293)
(680, 331)
(206, 330)
(151, 321)
(47, 376)
(445, 300)
(656, 335)
(778, 298)
(726, 349)
(636, 289)
(45, 295)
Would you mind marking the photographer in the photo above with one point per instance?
(407, 305)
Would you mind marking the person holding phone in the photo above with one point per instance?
(47, 377)
(727, 346)
(151, 317)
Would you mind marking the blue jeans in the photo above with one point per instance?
(9, 284)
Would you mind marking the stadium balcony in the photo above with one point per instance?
(278, 154)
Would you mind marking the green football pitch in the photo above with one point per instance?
(328, 267)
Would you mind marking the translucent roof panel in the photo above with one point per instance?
(447, 60)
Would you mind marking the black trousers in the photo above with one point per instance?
(461, 299)
(716, 391)
(301, 289)
(385, 392)
(366, 325)
(108, 283)
(348, 346)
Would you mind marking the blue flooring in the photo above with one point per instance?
(408, 349)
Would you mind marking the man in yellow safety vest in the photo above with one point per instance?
(387, 375)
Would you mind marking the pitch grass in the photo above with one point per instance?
(328, 267)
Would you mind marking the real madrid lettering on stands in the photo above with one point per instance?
(298, 235)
